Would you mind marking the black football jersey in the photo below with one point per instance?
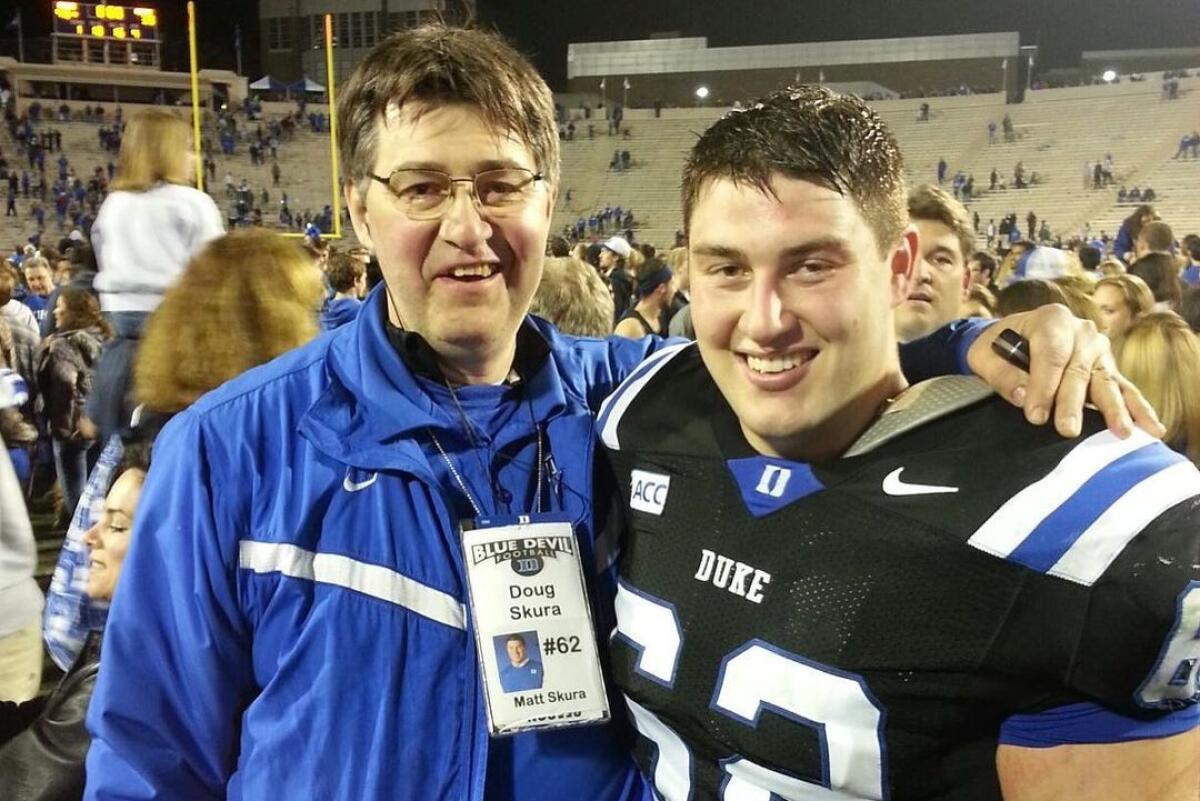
(865, 628)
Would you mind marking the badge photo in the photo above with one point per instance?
(520, 659)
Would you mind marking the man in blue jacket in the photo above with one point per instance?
(347, 276)
(294, 619)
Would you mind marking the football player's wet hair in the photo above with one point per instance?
(813, 134)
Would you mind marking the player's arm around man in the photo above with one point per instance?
(1137, 654)
(1146, 770)
(295, 621)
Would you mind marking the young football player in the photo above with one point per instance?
(834, 585)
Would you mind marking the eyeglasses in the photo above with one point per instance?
(428, 194)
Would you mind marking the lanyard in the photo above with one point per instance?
(462, 485)
(469, 430)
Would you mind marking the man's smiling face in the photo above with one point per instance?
(464, 281)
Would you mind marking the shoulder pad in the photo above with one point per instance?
(921, 404)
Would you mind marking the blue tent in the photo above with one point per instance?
(269, 84)
(306, 84)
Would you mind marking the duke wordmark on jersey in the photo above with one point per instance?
(739, 578)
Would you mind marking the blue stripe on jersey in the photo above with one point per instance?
(770, 484)
(1047, 543)
(1085, 723)
(617, 402)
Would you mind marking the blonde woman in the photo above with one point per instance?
(1078, 289)
(573, 297)
(148, 228)
(153, 220)
(221, 319)
(1121, 299)
(1161, 356)
(980, 302)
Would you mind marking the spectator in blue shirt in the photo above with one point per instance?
(348, 279)
(40, 284)
(1191, 249)
(1188, 143)
(1130, 228)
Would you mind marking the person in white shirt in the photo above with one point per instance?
(13, 311)
(147, 230)
(20, 598)
(153, 221)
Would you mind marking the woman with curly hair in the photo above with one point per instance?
(246, 298)
(65, 362)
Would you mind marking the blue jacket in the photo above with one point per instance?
(292, 618)
(1124, 241)
(338, 312)
(1191, 274)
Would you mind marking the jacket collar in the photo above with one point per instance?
(373, 409)
(531, 353)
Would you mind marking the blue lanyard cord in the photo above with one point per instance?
(462, 485)
(469, 429)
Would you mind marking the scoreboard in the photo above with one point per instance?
(105, 21)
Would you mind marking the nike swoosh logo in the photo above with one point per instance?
(892, 485)
(358, 486)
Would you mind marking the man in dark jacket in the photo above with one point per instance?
(614, 255)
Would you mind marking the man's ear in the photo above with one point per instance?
(356, 204)
(903, 265)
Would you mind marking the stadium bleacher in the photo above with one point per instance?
(303, 160)
(1057, 131)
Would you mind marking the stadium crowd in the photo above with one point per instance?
(70, 193)
(143, 296)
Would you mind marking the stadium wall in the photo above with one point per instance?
(109, 85)
(679, 88)
(669, 70)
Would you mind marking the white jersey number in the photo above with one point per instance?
(1176, 677)
(755, 678)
